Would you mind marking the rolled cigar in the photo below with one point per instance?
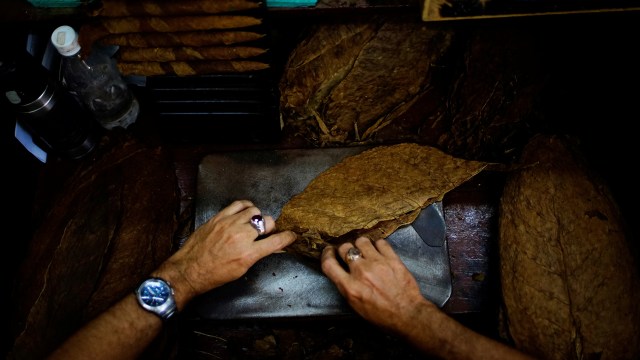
(92, 31)
(186, 38)
(121, 8)
(163, 54)
(175, 23)
(184, 68)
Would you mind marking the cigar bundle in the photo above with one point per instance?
(188, 68)
(161, 54)
(184, 38)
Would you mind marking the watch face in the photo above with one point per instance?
(155, 293)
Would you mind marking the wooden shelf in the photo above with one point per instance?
(23, 12)
(439, 10)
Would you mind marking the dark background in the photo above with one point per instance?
(592, 61)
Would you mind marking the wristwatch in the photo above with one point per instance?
(156, 296)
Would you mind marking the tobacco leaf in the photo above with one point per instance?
(570, 286)
(359, 77)
(371, 194)
(391, 79)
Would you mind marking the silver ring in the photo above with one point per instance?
(257, 221)
(353, 254)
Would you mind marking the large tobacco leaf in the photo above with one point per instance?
(371, 194)
(570, 285)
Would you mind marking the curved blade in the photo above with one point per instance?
(430, 225)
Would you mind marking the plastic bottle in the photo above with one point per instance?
(57, 123)
(95, 80)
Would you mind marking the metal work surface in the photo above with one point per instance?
(283, 285)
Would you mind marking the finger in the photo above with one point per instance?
(273, 243)
(246, 214)
(385, 248)
(332, 268)
(230, 210)
(243, 218)
(366, 247)
(343, 248)
(352, 254)
(235, 207)
(269, 223)
(267, 226)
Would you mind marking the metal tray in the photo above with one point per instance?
(283, 285)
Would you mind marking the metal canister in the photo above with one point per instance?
(53, 117)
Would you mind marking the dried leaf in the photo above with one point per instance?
(372, 193)
(570, 285)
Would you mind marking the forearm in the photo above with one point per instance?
(122, 332)
(219, 251)
(437, 334)
(125, 329)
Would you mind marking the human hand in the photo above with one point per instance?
(378, 286)
(224, 248)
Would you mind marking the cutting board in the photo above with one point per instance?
(283, 285)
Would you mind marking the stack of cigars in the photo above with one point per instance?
(181, 38)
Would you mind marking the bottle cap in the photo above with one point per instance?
(65, 40)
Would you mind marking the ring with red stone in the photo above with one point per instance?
(257, 221)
